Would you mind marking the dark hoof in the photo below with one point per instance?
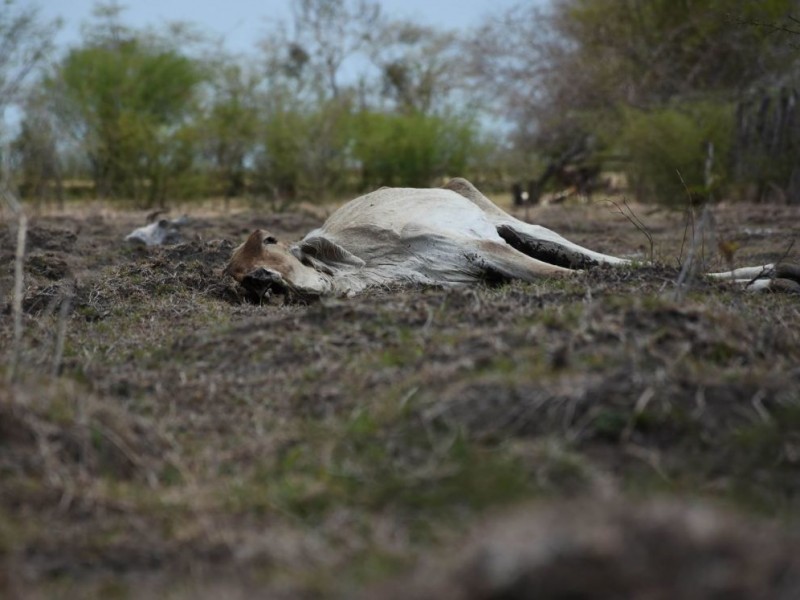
(784, 286)
(788, 271)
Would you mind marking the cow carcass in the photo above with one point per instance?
(446, 236)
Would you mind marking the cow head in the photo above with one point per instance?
(263, 266)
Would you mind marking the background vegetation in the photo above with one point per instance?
(346, 98)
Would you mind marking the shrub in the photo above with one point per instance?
(664, 142)
(411, 149)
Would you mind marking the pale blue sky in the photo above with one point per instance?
(243, 22)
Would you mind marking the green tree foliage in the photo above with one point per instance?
(132, 96)
(229, 128)
(673, 145)
(338, 100)
(35, 154)
(303, 150)
(411, 149)
(647, 52)
(342, 98)
(321, 138)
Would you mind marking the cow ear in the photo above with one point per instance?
(253, 244)
(324, 250)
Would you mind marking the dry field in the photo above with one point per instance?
(608, 436)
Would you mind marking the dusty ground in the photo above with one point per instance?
(191, 444)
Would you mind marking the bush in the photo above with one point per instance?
(664, 142)
(304, 151)
(411, 149)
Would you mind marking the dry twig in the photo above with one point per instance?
(19, 276)
(61, 330)
(689, 217)
(636, 221)
(775, 268)
(688, 268)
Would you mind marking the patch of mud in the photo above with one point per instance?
(39, 238)
(190, 267)
(46, 238)
(48, 266)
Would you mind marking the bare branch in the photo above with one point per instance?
(689, 216)
(636, 221)
(771, 27)
(25, 41)
(61, 329)
(19, 277)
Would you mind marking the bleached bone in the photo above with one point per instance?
(158, 233)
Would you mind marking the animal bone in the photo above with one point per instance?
(158, 233)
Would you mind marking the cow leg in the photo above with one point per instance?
(777, 278)
(547, 249)
(543, 244)
(746, 273)
(501, 261)
(779, 284)
(533, 240)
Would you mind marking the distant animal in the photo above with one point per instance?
(448, 236)
(158, 233)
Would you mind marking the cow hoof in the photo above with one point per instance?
(789, 271)
(783, 285)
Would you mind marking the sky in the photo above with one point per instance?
(242, 23)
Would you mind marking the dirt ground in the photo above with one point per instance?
(166, 438)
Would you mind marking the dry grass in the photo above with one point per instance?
(194, 444)
(611, 549)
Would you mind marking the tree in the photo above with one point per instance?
(306, 109)
(229, 127)
(569, 78)
(304, 150)
(419, 66)
(654, 51)
(129, 96)
(411, 149)
(35, 153)
(25, 40)
(328, 32)
(393, 122)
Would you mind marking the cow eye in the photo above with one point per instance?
(269, 240)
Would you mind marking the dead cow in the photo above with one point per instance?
(401, 236)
